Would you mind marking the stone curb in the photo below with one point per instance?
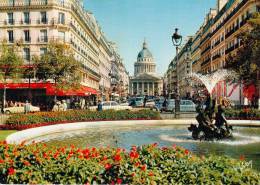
(29, 134)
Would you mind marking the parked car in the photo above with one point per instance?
(185, 106)
(20, 109)
(106, 105)
(150, 103)
(136, 102)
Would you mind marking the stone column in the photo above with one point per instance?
(142, 88)
(137, 88)
(132, 86)
(148, 88)
(153, 88)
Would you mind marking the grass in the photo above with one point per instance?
(5, 133)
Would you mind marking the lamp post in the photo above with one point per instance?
(177, 40)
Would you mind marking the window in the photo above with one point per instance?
(11, 2)
(43, 51)
(27, 2)
(26, 16)
(10, 18)
(61, 36)
(27, 36)
(43, 36)
(106, 104)
(26, 54)
(10, 36)
(43, 17)
(61, 18)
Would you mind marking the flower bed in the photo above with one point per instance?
(24, 121)
(38, 164)
(245, 114)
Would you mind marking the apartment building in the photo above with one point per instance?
(31, 24)
(218, 36)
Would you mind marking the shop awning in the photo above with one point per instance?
(51, 90)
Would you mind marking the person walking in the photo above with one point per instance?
(145, 100)
(26, 107)
(99, 108)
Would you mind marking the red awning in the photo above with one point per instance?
(50, 89)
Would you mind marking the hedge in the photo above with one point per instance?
(24, 121)
(39, 164)
(251, 114)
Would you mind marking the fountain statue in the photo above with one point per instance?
(207, 129)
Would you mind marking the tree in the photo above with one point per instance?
(246, 61)
(58, 64)
(10, 66)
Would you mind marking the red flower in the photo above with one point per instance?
(119, 181)
(155, 144)
(108, 166)
(72, 146)
(134, 155)
(134, 148)
(104, 158)
(117, 157)
(133, 174)
(1, 161)
(11, 171)
(4, 142)
(45, 155)
(143, 168)
(164, 148)
(118, 150)
(151, 174)
(186, 151)
(26, 163)
(242, 158)
(137, 164)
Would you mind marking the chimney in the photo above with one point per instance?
(221, 4)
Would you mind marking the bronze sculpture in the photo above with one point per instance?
(206, 130)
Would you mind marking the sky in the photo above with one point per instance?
(129, 22)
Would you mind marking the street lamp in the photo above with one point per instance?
(177, 40)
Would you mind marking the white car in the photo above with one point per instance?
(185, 106)
(20, 109)
(112, 105)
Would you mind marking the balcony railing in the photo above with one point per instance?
(215, 57)
(205, 50)
(227, 51)
(6, 3)
(205, 62)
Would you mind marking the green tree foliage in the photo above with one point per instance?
(58, 64)
(246, 62)
(10, 65)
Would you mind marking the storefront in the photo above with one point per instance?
(42, 94)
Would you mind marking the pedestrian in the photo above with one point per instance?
(145, 100)
(26, 107)
(99, 107)
(64, 105)
(164, 105)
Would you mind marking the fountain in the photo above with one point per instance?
(207, 130)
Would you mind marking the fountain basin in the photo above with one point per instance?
(124, 134)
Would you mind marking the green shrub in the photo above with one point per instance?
(38, 164)
(242, 113)
(78, 115)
